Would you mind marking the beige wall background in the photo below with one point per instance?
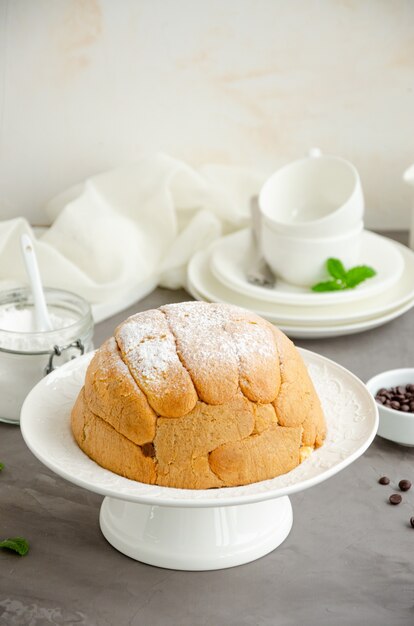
(89, 84)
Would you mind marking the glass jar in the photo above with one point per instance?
(27, 355)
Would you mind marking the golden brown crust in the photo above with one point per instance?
(198, 396)
(259, 371)
(182, 445)
(113, 395)
(273, 452)
(148, 348)
(107, 447)
(264, 417)
(297, 402)
(199, 346)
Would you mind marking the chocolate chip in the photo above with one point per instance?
(384, 480)
(412, 521)
(404, 485)
(395, 498)
(400, 398)
(148, 449)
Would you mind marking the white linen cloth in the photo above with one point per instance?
(136, 223)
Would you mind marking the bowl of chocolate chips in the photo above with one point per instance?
(394, 393)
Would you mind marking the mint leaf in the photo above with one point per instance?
(343, 279)
(1, 466)
(336, 268)
(358, 274)
(329, 285)
(17, 544)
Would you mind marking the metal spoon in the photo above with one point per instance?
(259, 273)
(42, 318)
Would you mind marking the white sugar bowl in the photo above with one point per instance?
(397, 426)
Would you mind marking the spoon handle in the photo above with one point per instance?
(42, 318)
(258, 273)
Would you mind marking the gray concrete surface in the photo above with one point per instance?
(348, 560)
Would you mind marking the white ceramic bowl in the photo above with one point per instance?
(313, 197)
(302, 261)
(394, 425)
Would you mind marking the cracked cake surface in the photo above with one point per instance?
(196, 395)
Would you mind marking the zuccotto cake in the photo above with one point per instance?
(197, 396)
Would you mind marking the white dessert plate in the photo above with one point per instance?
(323, 332)
(201, 278)
(198, 529)
(232, 255)
(202, 285)
(351, 415)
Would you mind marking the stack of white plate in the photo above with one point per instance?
(219, 275)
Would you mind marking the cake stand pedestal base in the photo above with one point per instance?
(196, 538)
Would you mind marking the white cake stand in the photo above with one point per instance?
(197, 529)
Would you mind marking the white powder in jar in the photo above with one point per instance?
(15, 319)
(19, 372)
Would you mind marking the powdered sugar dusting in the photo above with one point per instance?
(155, 358)
(201, 326)
(204, 346)
(148, 348)
(254, 340)
(136, 329)
(218, 344)
(258, 358)
(148, 345)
